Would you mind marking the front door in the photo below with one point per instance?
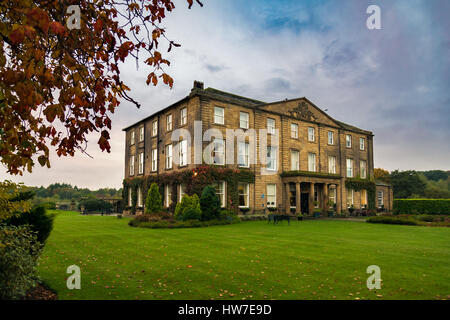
(304, 203)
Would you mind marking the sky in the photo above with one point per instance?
(394, 81)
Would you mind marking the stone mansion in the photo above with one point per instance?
(318, 163)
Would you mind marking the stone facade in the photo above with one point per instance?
(303, 129)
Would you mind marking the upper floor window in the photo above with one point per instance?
(271, 125)
(363, 168)
(132, 137)
(183, 119)
(219, 115)
(154, 159)
(271, 158)
(169, 156)
(141, 163)
(141, 134)
(311, 134)
(132, 165)
(362, 144)
(243, 154)
(155, 128)
(350, 168)
(220, 192)
(243, 120)
(331, 164)
(330, 137)
(348, 141)
(271, 195)
(219, 151)
(294, 130)
(169, 122)
(183, 152)
(311, 162)
(295, 164)
(243, 191)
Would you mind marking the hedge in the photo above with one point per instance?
(421, 206)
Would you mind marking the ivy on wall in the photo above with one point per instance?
(194, 180)
(358, 184)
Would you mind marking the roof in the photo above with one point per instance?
(240, 100)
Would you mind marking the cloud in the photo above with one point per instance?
(393, 81)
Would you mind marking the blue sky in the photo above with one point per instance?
(394, 81)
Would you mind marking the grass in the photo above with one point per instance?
(312, 259)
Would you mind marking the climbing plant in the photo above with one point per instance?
(358, 184)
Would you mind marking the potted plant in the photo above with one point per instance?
(244, 210)
(351, 209)
(331, 208)
(300, 217)
(272, 209)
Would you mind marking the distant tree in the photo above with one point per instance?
(436, 175)
(153, 203)
(407, 183)
(12, 202)
(381, 175)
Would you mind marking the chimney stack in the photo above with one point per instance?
(198, 85)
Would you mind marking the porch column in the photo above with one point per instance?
(286, 193)
(297, 197)
(338, 199)
(311, 198)
(325, 197)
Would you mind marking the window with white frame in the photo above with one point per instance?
(271, 158)
(363, 198)
(219, 151)
(311, 162)
(219, 115)
(141, 163)
(271, 195)
(141, 134)
(181, 192)
(295, 160)
(311, 134)
(331, 164)
(169, 122)
(244, 194)
(348, 140)
(183, 118)
(154, 159)
(363, 169)
(169, 156)
(294, 130)
(332, 195)
(243, 154)
(183, 152)
(349, 197)
(168, 193)
(139, 198)
(132, 165)
(130, 198)
(350, 168)
(380, 198)
(362, 144)
(243, 120)
(220, 192)
(330, 137)
(270, 125)
(154, 128)
(132, 137)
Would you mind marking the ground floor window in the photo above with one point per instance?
(140, 203)
(220, 191)
(243, 189)
(364, 198)
(292, 195)
(271, 195)
(349, 198)
(380, 199)
(168, 193)
(130, 200)
(332, 195)
(316, 197)
(181, 193)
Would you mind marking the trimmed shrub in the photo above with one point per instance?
(39, 221)
(191, 214)
(153, 203)
(95, 205)
(187, 202)
(209, 204)
(19, 253)
(421, 206)
(393, 220)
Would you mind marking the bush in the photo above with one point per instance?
(209, 204)
(422, 206)
(191, 214)
(187, 203)
(19, 253)
(38, 219)
(94, 204)
(182, 224)
(153, 203)
(393, 220)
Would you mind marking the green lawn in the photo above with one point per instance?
(315, 259)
